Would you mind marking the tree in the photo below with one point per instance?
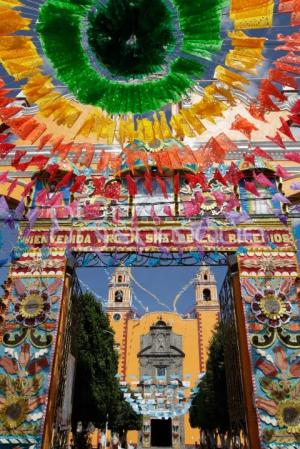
(125, 419)
(209, 408)
(97, 395)
(96, 390)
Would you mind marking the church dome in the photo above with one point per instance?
(160, 323)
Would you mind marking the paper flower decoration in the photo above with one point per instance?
(32, 308)
(271, 309)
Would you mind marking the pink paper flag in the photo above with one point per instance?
(281, 172)
(168, 211)
(3, 176)
(294, 157)
(219, 197)
(262, 180)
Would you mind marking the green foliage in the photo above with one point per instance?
(124, 419)
(209, 409)
(96, 391)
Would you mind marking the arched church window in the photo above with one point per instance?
(119, 278)
(205, 277)
(206, 294)
(119, 296)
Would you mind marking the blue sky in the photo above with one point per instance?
(165, 283)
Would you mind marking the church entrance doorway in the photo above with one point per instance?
(161, 432)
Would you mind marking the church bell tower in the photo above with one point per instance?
(119, 311)
(206, 288)
(207, 310)
(119, 294)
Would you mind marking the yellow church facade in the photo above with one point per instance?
(164, 345)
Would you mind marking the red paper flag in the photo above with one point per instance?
(218, 177)
(12, 186)
(56, 199)
(89, 155)
(148, 182)
(285, 129)
(251, 187)
(295, 118)
(296, 108)
(174, 158)
(52, 170)
(43, 141)
(269, 89)
(113, 190)
(37, 132)
(162, 185)
(5, 101)
(257, 112)
(242, 125)
(283, 78)
(42, 196)
(5, 148)
(22, 125)
(99, 184)
(28, 188)
(266, 103)
(176, 183)
(3, 137)
(277, 140)
(17, 158)
(65, 180)
(250, 158)
(131, 185)
(56, 143)
(287, 67)
(78, 184)
(8, 112)
(38, 160)
(103, 161)
(233, 174)
(259, 152)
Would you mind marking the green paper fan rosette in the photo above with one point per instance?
(129, 56)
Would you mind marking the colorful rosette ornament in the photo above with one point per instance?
(108, 71)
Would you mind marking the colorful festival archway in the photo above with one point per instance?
(149, 131)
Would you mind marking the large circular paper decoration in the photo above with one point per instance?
(129, 55)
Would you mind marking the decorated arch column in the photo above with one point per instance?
(33, 314)
(270, 299)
